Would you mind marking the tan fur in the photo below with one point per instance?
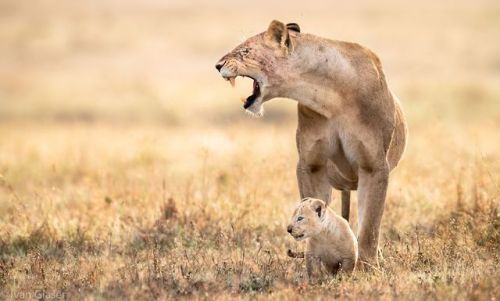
(351, 129)
(330, 241)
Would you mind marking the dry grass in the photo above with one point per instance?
(164, 212)
(128, 171)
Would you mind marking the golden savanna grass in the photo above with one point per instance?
(129, 171)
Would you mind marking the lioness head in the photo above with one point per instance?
(306, 219)
(263, 59)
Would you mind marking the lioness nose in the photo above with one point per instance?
(289, 229)
(219, 65)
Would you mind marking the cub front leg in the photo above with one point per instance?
(313, 266)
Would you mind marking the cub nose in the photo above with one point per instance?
(289, 229)
(218, 66)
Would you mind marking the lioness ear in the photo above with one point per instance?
(277, 33)
(293, 27)
(319, 207)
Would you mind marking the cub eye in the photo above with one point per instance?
(299, 218)
(245, 50)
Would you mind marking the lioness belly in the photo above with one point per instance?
(341, 173)
(341, 176)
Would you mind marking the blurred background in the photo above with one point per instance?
(96, 95)
(153, 61)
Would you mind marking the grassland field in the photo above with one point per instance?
(128, 169)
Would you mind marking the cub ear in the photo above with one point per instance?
(277, 33)
(293, 27)
(319, 207)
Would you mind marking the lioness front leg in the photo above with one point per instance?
(313, 182)
(372, 189)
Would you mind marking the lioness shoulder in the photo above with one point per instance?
(330, 241)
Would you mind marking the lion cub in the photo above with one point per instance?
(330, 243)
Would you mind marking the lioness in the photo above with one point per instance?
(330, 240)
(351, 130)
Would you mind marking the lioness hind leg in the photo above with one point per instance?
(371, 198)
(346, 204)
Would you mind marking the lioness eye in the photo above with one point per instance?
(299, 218)
(245, 50)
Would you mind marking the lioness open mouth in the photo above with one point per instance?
(255, 93)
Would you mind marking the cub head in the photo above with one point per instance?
(307, 218)
(262, 58)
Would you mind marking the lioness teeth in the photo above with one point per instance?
(232, 81)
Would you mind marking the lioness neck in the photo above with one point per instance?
(322, 75)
